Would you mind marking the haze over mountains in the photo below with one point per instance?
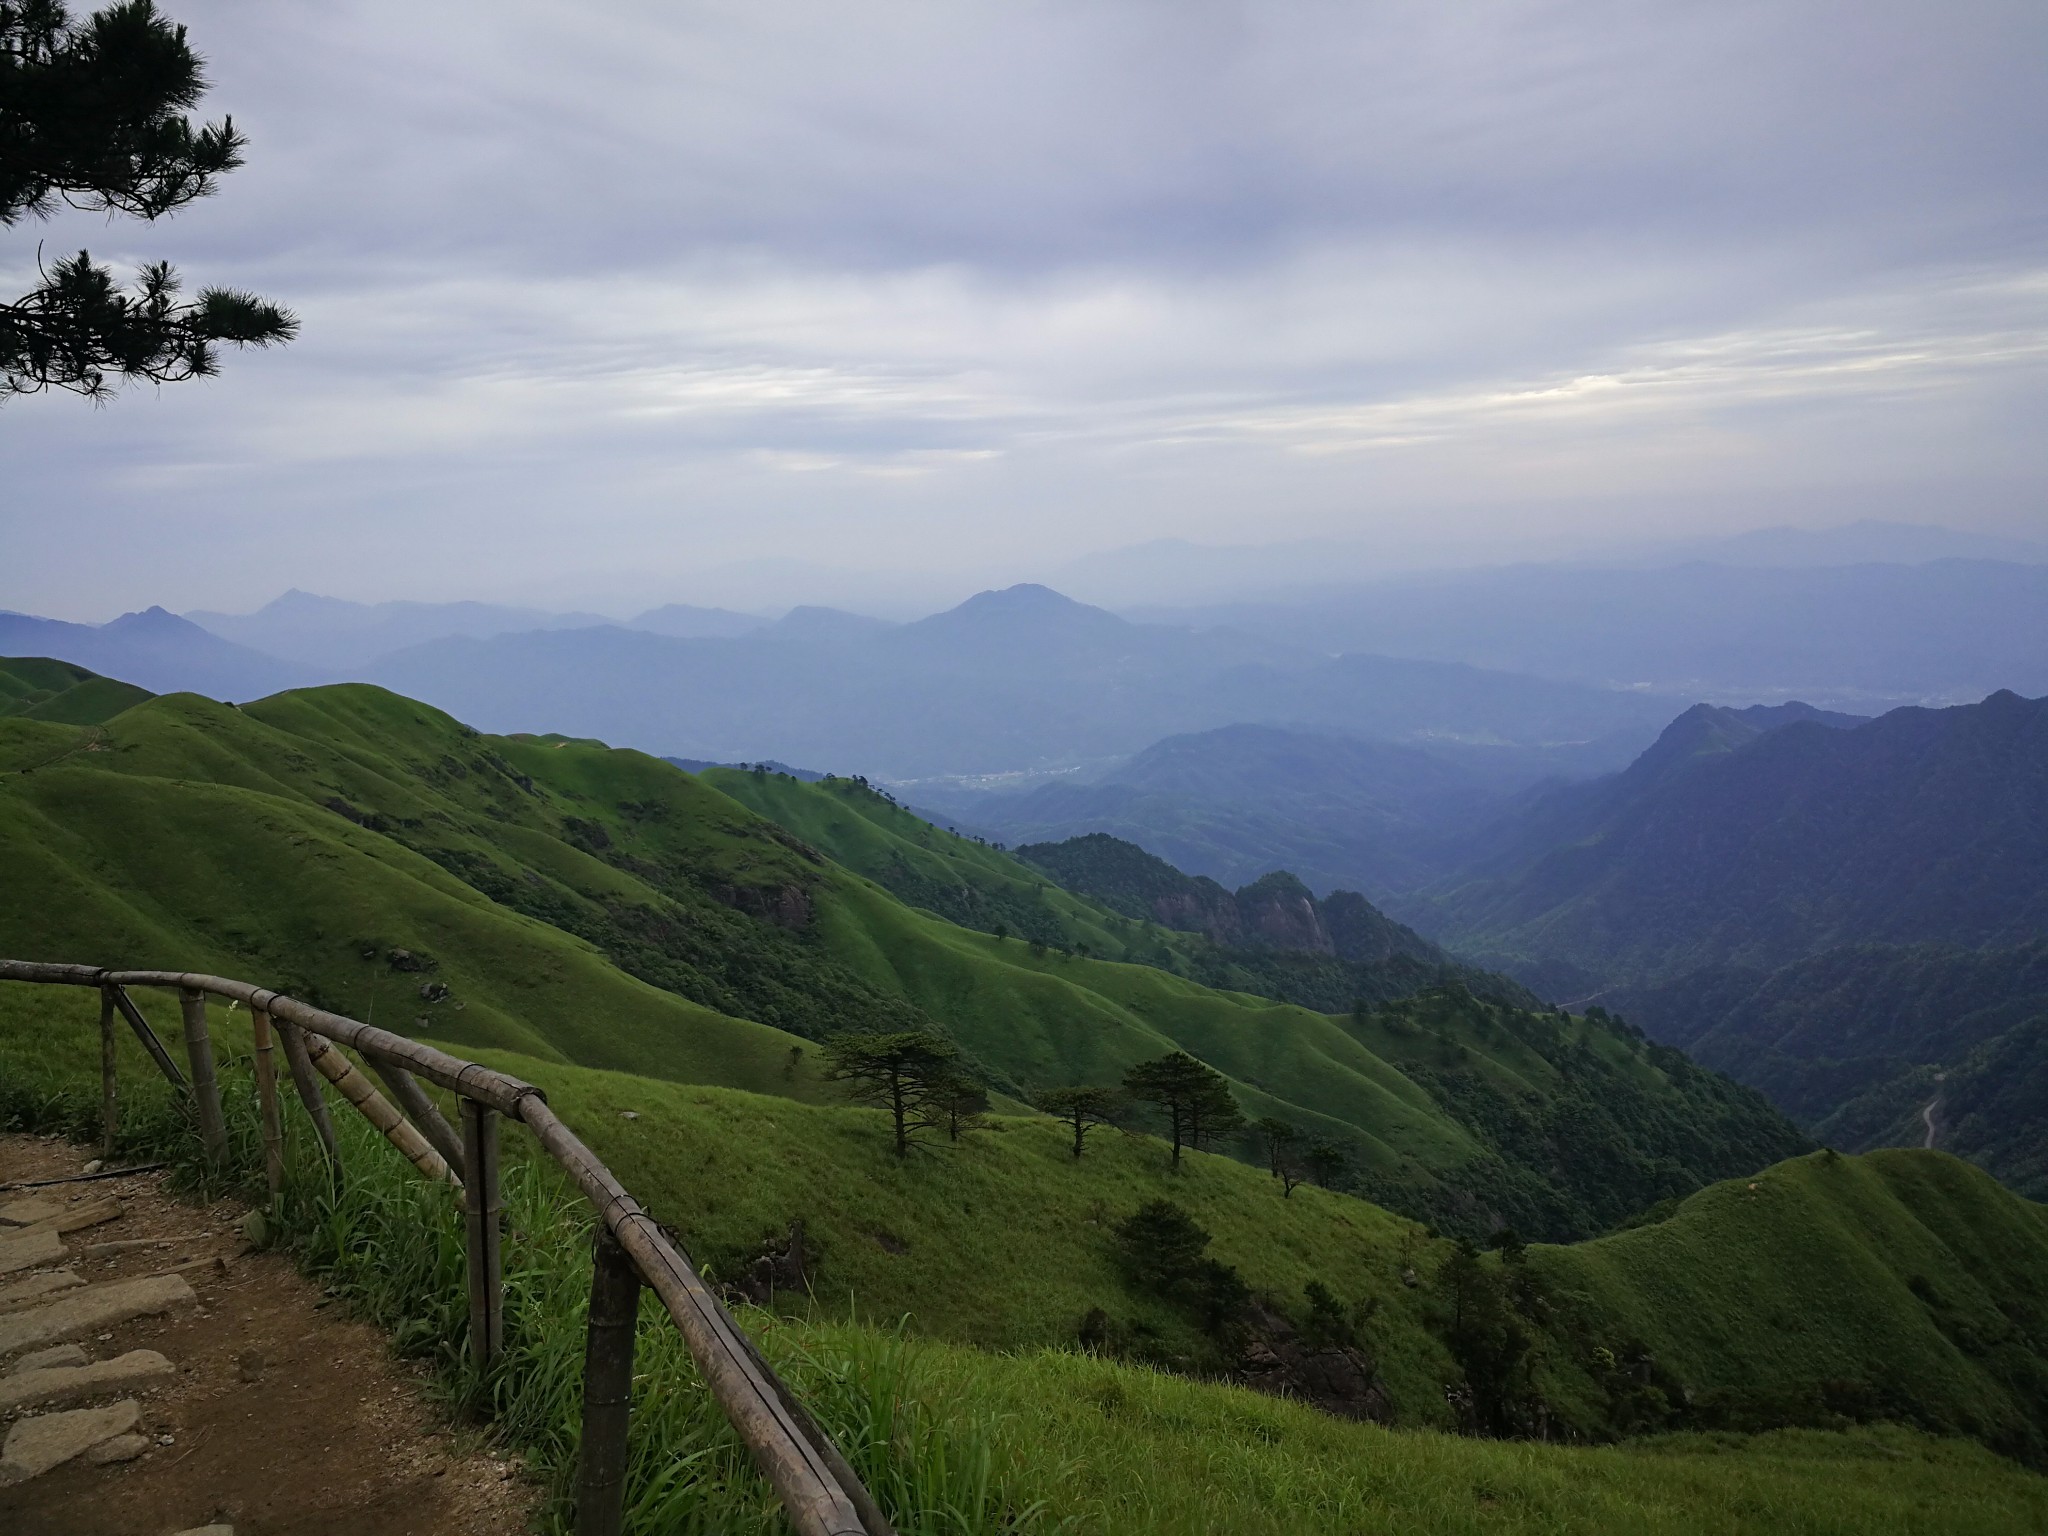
(1013, 680)
(1859, 637)
(1541, 659)
(1169, 571)
(153, 649)
(1233, 803)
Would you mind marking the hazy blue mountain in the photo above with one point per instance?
(155, 650)
(1851, 916)
(1181, 571)
(1007, 680)
(1850, 637)
(1234, 803)
(1867, 541)
(334, 637)
(809, 624)
(685, 621)
(1730, 844)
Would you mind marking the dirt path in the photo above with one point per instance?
(281, 1417)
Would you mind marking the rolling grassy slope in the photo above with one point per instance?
(38, 688)
(957, 878)
(601, 907)
(1896, 1286)
(1040, 901)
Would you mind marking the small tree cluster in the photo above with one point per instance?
(1083, 1108)
(1160, 1249)
(1492, 1340)
(1293, 1157)
(1194, 1098)
(916, 1076)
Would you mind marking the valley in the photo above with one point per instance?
(1527, 1220)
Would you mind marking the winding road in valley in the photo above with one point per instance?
(1927, 1114)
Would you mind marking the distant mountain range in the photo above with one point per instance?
(1018, 679)
(1861, 637)
(1749, 841)
(1182, 571)
(155, 650)
(1235, 803)
(1850, 916)
(1008, 680)
(330, 637)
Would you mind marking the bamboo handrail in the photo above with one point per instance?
(819, 1491)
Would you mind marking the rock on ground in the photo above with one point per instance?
(120, 1448)
(30, 1247)
(51, 1439)
(96, 1307)
(27, 1212)
(48, 1359)
(74, 1383)
(25, 1292)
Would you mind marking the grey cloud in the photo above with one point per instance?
(942, 286)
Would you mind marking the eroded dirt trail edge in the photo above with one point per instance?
(278, 1416)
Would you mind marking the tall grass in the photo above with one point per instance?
(957, 1440)
(390, 1246)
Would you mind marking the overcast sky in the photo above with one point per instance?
(611, 305)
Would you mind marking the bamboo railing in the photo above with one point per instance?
(820, 1493)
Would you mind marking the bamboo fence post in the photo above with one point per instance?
(213, 1128)
(607, 1389)
(266, 1094)
(422, 1111)
(376, 1109)
(308, 1083)
(110, 1103)
(147, 1036)
(480, 1208)
(814, 1496)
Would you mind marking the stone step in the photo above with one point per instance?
(28, 1211)
(132, 1245)
(120, 1448)
(76, 1218)
(49, 1440)
(76, 1383)
(26, 1293)
(30, 1247)
(91, 1309)
(48, 1359)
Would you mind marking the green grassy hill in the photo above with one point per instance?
(37, 688)
(1824, 1291)
(662, 959)
(601, 907)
